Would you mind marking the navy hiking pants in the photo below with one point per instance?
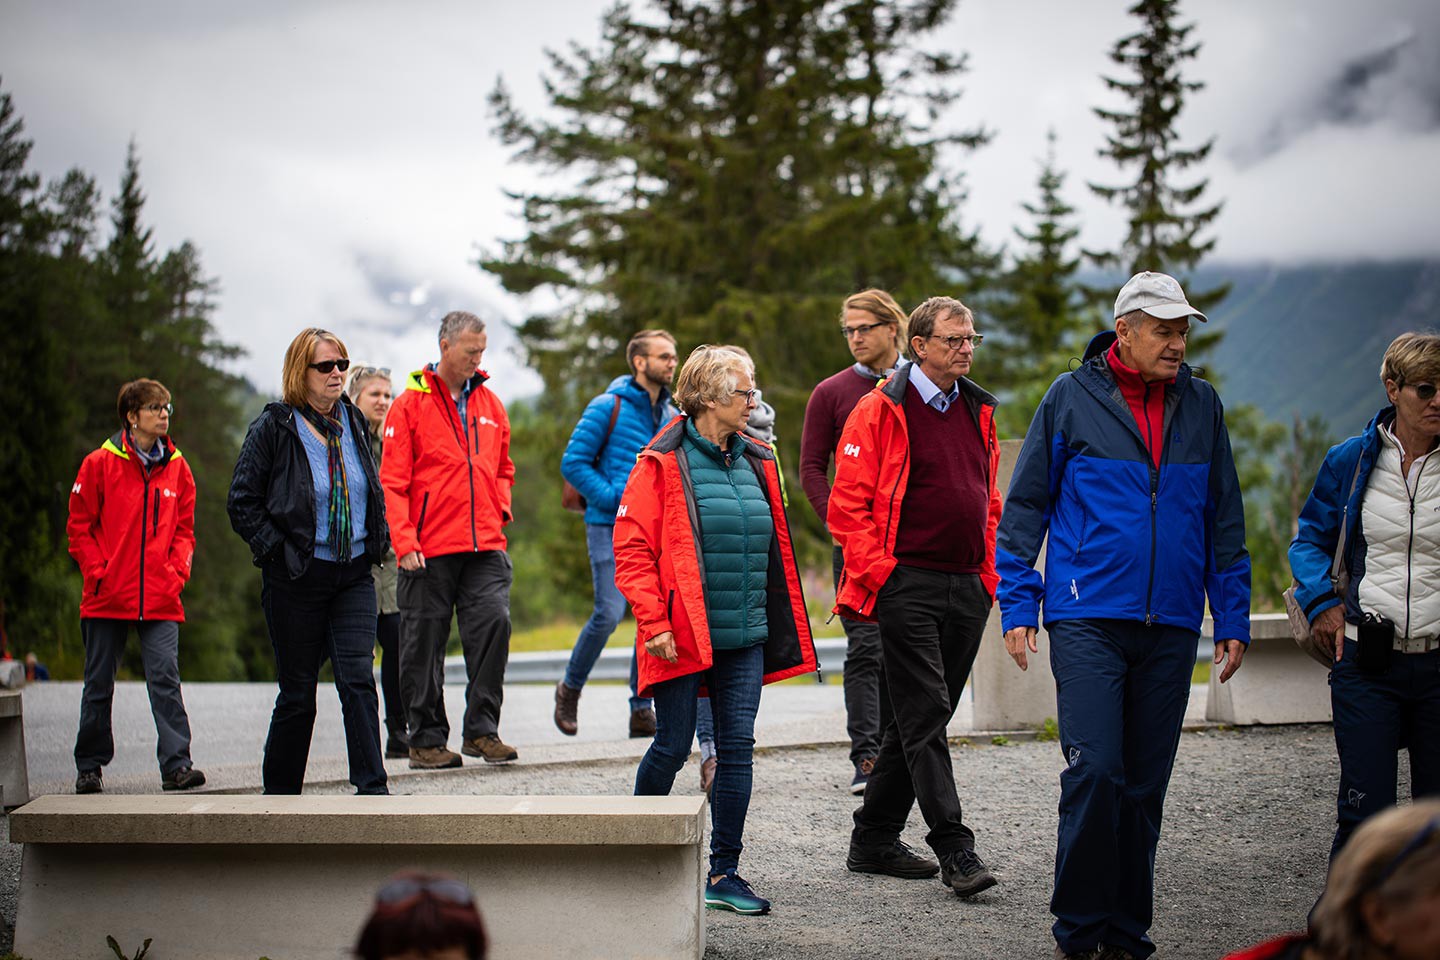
(1122, 688)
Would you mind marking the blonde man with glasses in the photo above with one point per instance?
(874, 329)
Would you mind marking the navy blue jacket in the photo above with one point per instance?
(1313, 549)
(1127, 541)
(598, 467)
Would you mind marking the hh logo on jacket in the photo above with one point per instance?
(852, 449)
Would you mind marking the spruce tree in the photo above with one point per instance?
(1042, 320)
(731, 171)
(1165, 213)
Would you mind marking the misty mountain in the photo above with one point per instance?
(1309, 339)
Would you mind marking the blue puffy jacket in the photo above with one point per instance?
(600, 474)
(1127, 541)
(1332, 500)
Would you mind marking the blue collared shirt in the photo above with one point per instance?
(929, 393)
(461, 401)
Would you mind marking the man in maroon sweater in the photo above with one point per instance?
(915, 507)
(874, 329)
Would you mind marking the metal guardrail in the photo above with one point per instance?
(548, 666)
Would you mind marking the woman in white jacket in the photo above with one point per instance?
(1384, 487)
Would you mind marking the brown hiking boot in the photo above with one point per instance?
(642, 722)
(433, 758)
(490, 748)
(567, 703)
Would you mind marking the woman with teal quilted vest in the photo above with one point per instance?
(703, 554)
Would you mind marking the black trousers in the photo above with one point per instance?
(387, 637)
(863, 694)
(476, 586)
(930, 629)
(329, 612)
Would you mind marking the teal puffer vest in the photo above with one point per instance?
(735, 532)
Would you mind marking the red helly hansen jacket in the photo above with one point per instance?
(132, 533)
(657, 566)
(447, 487)
(872, 471)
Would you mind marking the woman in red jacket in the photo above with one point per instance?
(132, 531)
(703, 554)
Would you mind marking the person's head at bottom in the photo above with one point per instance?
(423, 916)
(1383, 895)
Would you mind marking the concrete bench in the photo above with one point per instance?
(1277, 683)
(295, 877)
(14, 775)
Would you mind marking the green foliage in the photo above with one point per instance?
(1041, 317)
(1049, 731)
(1000, 740)
(1277, 468)
(731, 172)
(1164, 221)
(76, 321)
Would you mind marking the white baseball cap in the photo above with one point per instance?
(1158, 294)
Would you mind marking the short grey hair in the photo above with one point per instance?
(923, 317)
(709, 376)
(457, 322)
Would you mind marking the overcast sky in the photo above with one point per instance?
(334, 163)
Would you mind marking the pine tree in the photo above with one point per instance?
(1042, 318)
(731, 171)
(1165, 217)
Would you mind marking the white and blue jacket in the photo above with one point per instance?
(1127, 541)
(598, 467)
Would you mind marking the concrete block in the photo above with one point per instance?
(14, 771)
(12, 674)
(1007, 698)
(294, 877)
(1276, 683)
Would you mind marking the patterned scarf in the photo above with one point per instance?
(333, 430)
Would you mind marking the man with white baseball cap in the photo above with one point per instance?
(1127, 468)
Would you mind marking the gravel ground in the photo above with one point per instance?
(1242, 855)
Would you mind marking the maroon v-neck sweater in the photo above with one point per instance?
(942, 520)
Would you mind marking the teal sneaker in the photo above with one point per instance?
(730, 892)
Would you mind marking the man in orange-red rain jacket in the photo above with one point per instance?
(132, 531)
(447, 475)
(915, 508)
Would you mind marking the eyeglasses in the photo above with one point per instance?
(749, 395)
(1416, 842)
(325, 366)
(850, 333)
(955, 343)
(159, 408)
(441, 888)
(1425, 391)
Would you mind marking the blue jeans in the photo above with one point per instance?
(1376, 715)
(1121, 689)
(734, 685)
(609, 608)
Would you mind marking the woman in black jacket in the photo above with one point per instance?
(306, 497)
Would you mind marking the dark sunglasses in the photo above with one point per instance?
(1425, 391)
(441, 888)
(325, 366)
(1417, 841)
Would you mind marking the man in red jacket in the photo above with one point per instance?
(914, 508)
(447, 475)
(874, 328)
(132, 531)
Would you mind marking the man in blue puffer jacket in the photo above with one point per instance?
(613, 429)
(1127, 467)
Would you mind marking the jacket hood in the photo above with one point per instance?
(625, 386)
(418, 381)
(670, 435)
(1099, 344)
